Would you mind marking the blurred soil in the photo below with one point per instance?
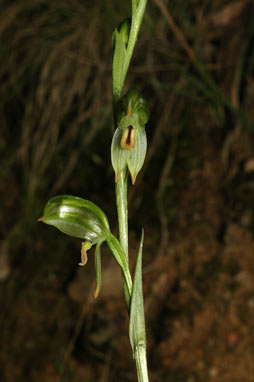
(194, 198)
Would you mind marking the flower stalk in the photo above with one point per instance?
(83, 219)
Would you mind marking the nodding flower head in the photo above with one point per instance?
(79, 218)
(76, 217)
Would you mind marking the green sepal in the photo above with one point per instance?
(137, 331)
(136, 157)
(76, 217)
(118, 155)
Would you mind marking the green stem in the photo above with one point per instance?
(141, 364)
(137, 17)
(121, 249)
(122, 210)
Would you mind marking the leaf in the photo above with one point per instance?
(120, 257)
(137, 330)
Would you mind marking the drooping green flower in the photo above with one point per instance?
(79, 218)
(76, 217)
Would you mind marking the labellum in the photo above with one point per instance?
(128, 139)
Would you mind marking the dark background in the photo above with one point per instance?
(194, 63)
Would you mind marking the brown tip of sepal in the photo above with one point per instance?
(133, 178)
(96, 292)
